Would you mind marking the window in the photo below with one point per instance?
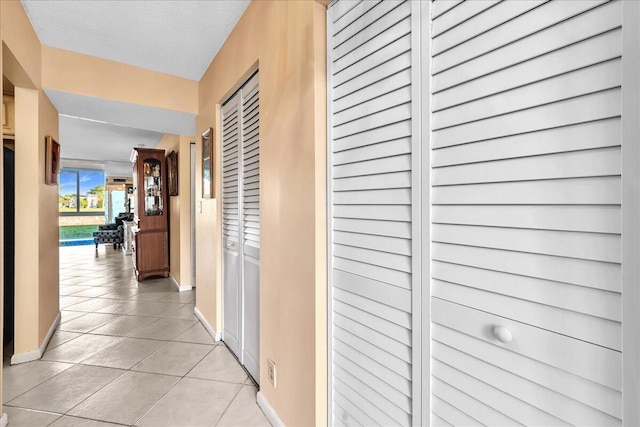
(68, 200)
(81, 191)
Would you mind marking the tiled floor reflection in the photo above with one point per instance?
(127, 353)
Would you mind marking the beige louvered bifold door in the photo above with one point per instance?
(371, 272)
(251, 225)
(231, 214)
(526, 193)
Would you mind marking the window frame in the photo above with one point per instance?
(78, 212)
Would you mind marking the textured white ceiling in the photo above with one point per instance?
(122, 113)
(175, 37)
(103, 142)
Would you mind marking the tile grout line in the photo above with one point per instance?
(181, 378)
(38, 385)
(239, 388)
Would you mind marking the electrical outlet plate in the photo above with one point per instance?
(271, 373)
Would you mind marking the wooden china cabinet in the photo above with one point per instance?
(150, 241)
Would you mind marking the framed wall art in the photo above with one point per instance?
(52, 161)
(207, 165)
(172, 173)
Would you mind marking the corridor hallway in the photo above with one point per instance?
(127, 353)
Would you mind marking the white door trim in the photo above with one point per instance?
(425, 220)
(630, 213)
(420, 204)
(329, 226)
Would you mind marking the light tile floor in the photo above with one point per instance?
(127, 353)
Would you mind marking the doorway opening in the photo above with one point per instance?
(8, 130)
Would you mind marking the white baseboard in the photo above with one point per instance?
(4, 420)
(216, 336)
(29, 356)
(273, 418)
(37, 354)
(177, 285)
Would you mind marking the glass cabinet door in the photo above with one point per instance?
(152, 187)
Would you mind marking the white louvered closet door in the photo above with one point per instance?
(231, 228)
(250, 132)
(371, 273)
(526, 220)
(241, 225)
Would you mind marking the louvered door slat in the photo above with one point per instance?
(385, 37)
(578, 299)
(594, 50)
(500, 13)
(252, 135)
(384, 16)
(378, 57)
(519, 410)
(603, 398)
(464, 12)
(380, 228)
(379, 309)
(579, 28)
(450, 414)
(349, 414)
(476, 409)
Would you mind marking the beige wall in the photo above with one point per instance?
(320, 203)
(179, 214)
(184, 197)
(19, 36)
(27, 222)
(287, 41)
(101, 78)
(36, 263)
(207, 263)
(49, 270)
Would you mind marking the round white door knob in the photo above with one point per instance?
(503, 334)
